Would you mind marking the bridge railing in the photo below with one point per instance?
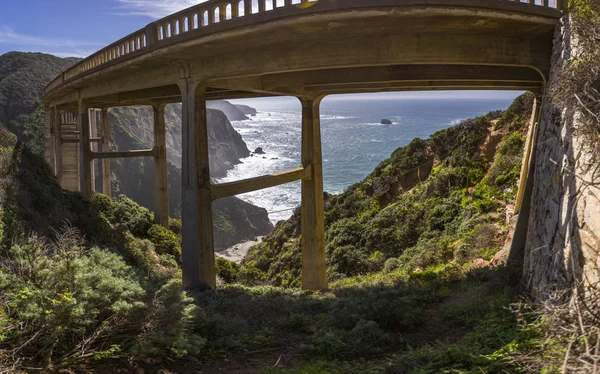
(195, 20)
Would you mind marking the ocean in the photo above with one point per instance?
(353, 139)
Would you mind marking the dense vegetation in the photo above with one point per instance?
(432, 202)
(23, 77)
(96, 283)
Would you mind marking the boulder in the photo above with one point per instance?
(259, 151)
(386, 122)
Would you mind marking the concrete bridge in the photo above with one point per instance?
(226, 49)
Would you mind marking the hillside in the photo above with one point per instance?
(23, 77)
(434, 201)
(95, 286)
(132, 128)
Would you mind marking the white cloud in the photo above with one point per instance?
(155, 8)
(61, 47)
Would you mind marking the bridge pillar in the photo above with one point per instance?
(105, 148)
(161, 185)
(49, 137)
(85, 153)
(198, 256)
(93, 145)
(314, 276)
(58, 171)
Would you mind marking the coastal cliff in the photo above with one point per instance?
(132, 128)
(23, 77)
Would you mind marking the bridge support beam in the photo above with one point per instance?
(105, 148)
(314, 276)
(161, 185)
(85, 152)
(198, 256)
(516, 255)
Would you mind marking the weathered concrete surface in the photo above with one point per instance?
(337, 47)
(333, 46)
(564, 226)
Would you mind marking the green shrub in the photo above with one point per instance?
(349, 260)
(227, 270)
(64, 296)
(251, 276)
(391, 264)
(365, 339)
(124, 212)
(165, 241)
(169, 324)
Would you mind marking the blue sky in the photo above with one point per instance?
(77, 28)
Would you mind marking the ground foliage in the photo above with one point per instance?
(433, 201)
(89, 285)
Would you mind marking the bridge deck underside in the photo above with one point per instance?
(382, 49)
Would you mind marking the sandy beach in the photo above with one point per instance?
(237, 252)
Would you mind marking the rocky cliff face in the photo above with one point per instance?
(23, 77)
(563, 239)
(233, 112)
(226, 145)
(132, 128)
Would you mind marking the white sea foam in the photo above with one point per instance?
(354, 142)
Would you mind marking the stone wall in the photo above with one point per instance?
(564, 223)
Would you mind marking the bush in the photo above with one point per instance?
(391, 264)
(365, 339)
(165, 241)
(169, 324)
(68, 301)
(227, 270)
(251, 276)
(349, 260)
(124, 212)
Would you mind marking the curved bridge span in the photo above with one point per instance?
(225, 49)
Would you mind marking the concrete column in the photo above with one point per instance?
(198, 250)
(93, 145)
(161, 184)
(105, 148)
(314, 276)
(85, 163)
(48, 136)
(58, 144)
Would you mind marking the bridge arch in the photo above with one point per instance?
(301, 48)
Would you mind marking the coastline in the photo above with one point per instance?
(236, 253)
